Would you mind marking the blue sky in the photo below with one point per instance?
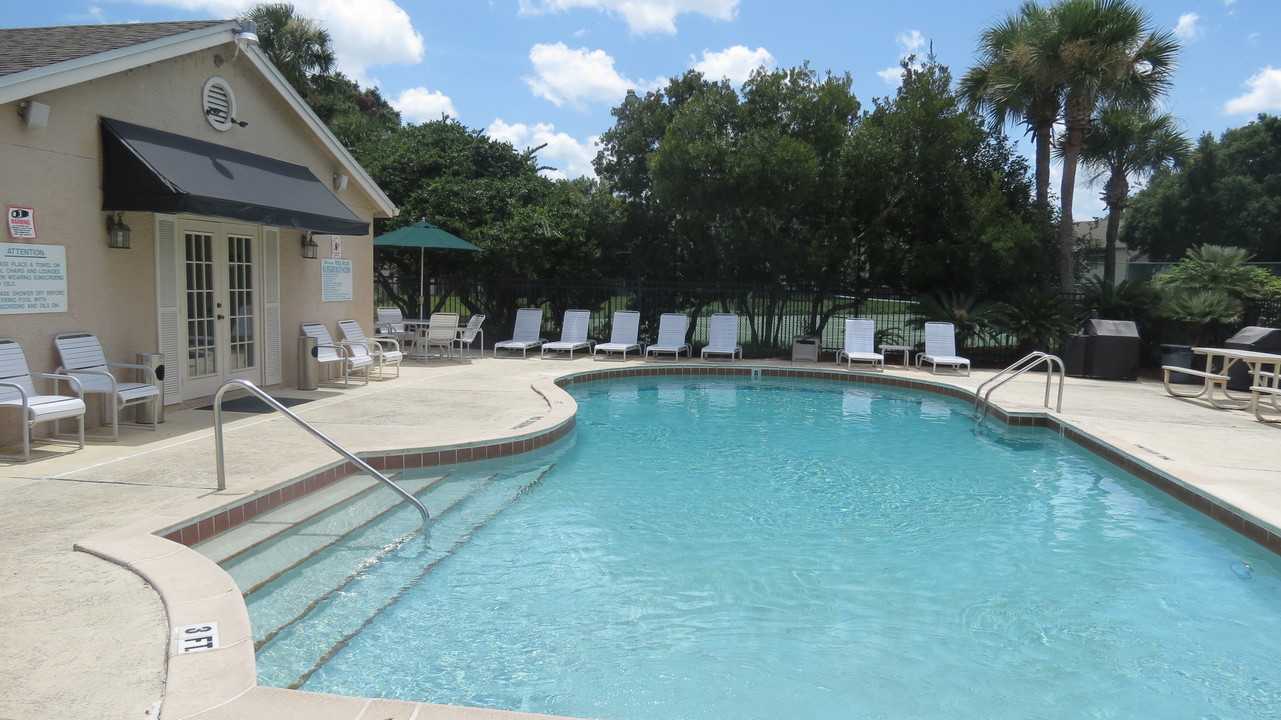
(549, 71)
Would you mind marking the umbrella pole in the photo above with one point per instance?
(422, 289)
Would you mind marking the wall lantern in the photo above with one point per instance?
(117, 232)
(308, 247)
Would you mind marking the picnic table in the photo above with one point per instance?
(1214, 379)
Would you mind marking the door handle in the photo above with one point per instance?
(222, 317)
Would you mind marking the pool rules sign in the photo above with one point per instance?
(33, 278)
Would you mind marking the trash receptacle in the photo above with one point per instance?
(1112, 352)
(142, 412)
(1177, 356)
(308, 367)
(1074, 356)
(805, 348)
(1258, 339)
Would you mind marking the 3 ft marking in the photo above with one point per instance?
(197, 638)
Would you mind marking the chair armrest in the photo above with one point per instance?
(72, 381)
(381, 341)
(150, 372)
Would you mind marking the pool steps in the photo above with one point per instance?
(307, 612)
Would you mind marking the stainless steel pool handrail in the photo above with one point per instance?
(1027, 362)
(274, 404)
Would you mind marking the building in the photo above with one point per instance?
(185, 134)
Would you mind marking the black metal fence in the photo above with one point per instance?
(770, 317)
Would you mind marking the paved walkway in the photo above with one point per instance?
(87, 639)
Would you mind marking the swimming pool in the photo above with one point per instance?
(724, 549)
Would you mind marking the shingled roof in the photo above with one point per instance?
(23, 49)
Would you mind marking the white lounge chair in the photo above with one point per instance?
(83, 359)
(671, 337)
(440, 334)
(573, 334)
(529, 323)
(940, 348)
(18, 392)
(623, 335)
(386, 350)
(860, 345)
(468, 334)
(350, 358)
(722, 338)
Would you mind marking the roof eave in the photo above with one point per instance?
(28, 83)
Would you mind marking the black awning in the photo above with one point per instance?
(156, 171)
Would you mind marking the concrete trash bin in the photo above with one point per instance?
(142, 412)
(805, 348)
(1257, 339)
(308, 366)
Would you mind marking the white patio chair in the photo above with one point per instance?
(573, 334)
(940, 348)
(860, 345)
(468, 334)
(622, 336)
(525, 336)
(441, 333)
(18, 392)
(722, 338)
(386, 350)
(349, 358)
(83, 359)
(391, 323)
(671, 337)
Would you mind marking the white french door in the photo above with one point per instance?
(219, 305)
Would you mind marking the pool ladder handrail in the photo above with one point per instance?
(222, 464)
(1027, 362)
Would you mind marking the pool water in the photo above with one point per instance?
(705, 548)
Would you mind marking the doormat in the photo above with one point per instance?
(251, 404)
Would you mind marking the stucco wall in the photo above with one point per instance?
(57, 171)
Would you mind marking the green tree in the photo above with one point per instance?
(298, 46)
(1227, 193)
(1008, 85)
(1129, 141)
(1098, 50)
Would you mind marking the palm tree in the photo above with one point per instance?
(1098, 50)
(1125, 141)
(299, 47)
(1008, 86)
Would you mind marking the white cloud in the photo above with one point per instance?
(420, 105)
(365, 33)
(1264, 94)
(910, 43)
(1188, 28)
(642, 16)
(736, 63)
(569, 157)
(577, 77)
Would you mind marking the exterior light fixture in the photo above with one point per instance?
(117, 232)
(309, 247)
(247, 33)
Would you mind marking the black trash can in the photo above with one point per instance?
(1258, 339)
(1177, 356)
(1112, 349)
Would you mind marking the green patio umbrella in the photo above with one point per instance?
(422, 235)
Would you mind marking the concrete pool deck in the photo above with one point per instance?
(86, 638)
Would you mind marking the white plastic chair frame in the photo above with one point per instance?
(467, 335)
(623, 336)
(83, 358)
(573, 334)
(18, 392)
(525, 335)
(350, 357)
(671, 338)
(385, 350)
(940, 349)
(722, 338)
(441, 333)
(860, 345)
